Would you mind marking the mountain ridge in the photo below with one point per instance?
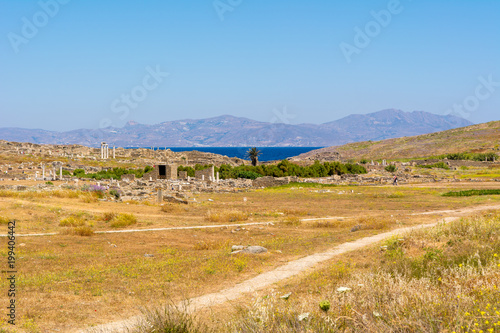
(232, 131)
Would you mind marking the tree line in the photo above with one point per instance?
(282, 169)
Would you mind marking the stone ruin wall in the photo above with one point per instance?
(207, 174)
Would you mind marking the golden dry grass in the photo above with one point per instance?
(226, 216)
(444, 279)
(111, 276)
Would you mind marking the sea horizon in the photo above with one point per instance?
(268, 153)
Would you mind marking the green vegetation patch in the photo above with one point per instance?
(439, 165)
(115, 173)
(282, 169)
(470, 193)
(470, 156)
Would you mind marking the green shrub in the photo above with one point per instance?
(79, 173)
(115, 173)
(470, 156)
(440, 165)
(282, 169)
(247, 175)
(324, 305)
(390, 168)
(115, 193)
(49, 183)
(190, 170)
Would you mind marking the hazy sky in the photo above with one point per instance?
(84, 64)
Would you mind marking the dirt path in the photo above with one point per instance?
(288, 270)
(180, 228)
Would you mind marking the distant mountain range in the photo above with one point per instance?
(229, 131)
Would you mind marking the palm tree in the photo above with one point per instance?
(254, 153)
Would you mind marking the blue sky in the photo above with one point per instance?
(71, 64)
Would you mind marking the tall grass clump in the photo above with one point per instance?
(72, 221)
(84, 230)
(123, 220)
(4, 220)
(169, 319)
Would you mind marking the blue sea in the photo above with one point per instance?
(268, 153)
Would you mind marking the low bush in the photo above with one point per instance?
(108, 216)
(123, 220)
(440, 165)
(247, 175)
(72, 221)
(79, 231)
(114, 173)
(169, 319)
(292, 221)
(115, 193)
(4, 220)
(390, 168)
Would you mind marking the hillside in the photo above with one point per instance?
(475, 138)
(229, 131)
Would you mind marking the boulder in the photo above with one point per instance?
(254, 250)
(172, 199)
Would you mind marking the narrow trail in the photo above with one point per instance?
(288, 270)
(179, 228)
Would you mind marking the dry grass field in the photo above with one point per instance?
(442, 279)
(80, 277)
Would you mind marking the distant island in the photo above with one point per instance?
(230, 131)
